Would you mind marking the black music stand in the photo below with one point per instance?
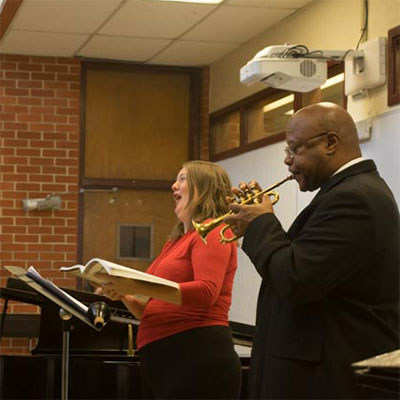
(69, 307)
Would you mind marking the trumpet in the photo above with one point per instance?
(203, 229)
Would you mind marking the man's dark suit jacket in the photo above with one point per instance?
(330, 289)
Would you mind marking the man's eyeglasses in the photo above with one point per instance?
(292, 151)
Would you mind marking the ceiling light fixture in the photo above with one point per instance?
(195, 1)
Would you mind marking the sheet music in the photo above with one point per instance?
(52, 292)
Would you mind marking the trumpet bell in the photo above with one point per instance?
(203, 229)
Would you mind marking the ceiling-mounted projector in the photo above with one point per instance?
(298, 69)
(296, 74)
(285, 67)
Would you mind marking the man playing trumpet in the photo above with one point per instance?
(330, 285)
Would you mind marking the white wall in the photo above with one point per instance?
(323, 24)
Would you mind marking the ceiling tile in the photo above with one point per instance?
(83, 16)
(236, 24)
(155, 19)
(268, 3)
(42, 43)
(122, 48)
(190, 53)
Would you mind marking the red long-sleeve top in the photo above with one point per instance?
(205, 273)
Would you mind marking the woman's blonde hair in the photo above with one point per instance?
(208, 185)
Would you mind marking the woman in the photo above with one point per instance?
(184, 340)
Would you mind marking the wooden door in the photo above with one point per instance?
(138, 129)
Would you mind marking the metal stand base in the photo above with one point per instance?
(66, 317)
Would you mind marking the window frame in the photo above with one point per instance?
(151, 241)
(241, 106)
(393, 83)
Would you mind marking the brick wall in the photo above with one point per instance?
(39, 155)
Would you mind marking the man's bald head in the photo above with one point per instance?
(325, 117)
(323, 137)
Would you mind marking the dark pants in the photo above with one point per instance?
(199, 363)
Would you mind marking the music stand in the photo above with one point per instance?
(69, 307)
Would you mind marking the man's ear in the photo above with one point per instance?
(332, 143)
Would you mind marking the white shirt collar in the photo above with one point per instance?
(348, 164)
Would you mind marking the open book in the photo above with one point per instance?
(96, 271)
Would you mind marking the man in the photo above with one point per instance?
(330, 285)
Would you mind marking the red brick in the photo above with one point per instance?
(41, 127)
(55, 118)
(7, 83)
(7, 117)
(28, 152)
(29, 135)
(43, 60)
(28, 169)
(30, 67)
(75, 86)
(7, 134)
(56, 85)
(14, 229)
(43, 76)
(54, 153)
(26, 238)
(13, 246)
(42, 110)
(7, 100)
(52, 239)
(42, 144)
(27, 186)
(42, 93)
(13, 57)
(14, 195)
(41, 178)
(25, 255)
(30, 84)
(53, 170)
(56, 68)
(68, 94)
(15, 125)
(64, 231)
(29, 101)
(16, 92)
(17, 75)
(15, 143)
(68, 61)
(41, 161)
(16, 109)
(63, 102)
(15, 161)
(29, 117)
(39, 229)
(8, 66)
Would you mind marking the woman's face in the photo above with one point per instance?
(180, 191)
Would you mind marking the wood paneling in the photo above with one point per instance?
(137, 124)
(105, 211)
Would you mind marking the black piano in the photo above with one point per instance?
(99, 364)
(380, 375)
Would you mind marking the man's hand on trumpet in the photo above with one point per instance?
(243, 214)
